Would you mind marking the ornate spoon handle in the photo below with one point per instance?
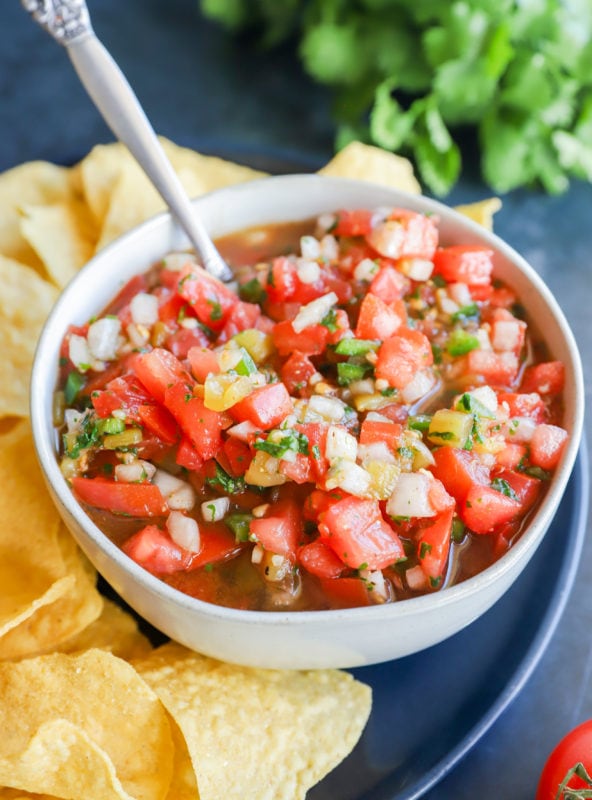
(68, 21)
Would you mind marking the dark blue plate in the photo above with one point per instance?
(430, 709)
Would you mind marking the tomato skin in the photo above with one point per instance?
(200, 424)
(574, 748)
(547, 445)
(155, 551)
(433, 545)
(211, 301)
(265, 407)
(377, 320)
(296, 372)
(485, 508)
(135, 499)
(158, 370)
(280, 532)
(401, 356)
(353, 223)
(547, 378)
(459, 470)
(464, 264)
(310, 342)
(320, 560)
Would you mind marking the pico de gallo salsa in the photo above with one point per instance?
(364, 417)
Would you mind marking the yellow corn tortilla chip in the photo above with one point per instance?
(34, 183)
(482, 211)
(63, 236)
(285, 730)
(25, 301)
(114, 630)
(365, 162)
(48, 589)
(83, 726)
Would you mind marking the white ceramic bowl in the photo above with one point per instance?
(310, 639)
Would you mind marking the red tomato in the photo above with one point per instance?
(202, 362)
(389, 284)
(242, 317)
(158, 370)
(485, 508)
(373, 431)
(138, 283)
(546, 446)
(159, 422)
(345, 592)
(211, 300)
(310, 342)
(433, 546)
(464, 264)
(528, 405)
(201, 425)
(133, 499)
(281, 281)
(356, 531)
(406, 234)
(238, 455)
(187, 456)
(281, 531)
(377, 320)
(296, 372)
(401, 356)
(320, 560)
(353, 223)
(265, 407)
(459, 470)
(182, 340)
(546, 378)
(575, 748)
(526, 488)
(154, 550)
(496, 368)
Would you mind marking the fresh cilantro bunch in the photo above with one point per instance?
(411, 75)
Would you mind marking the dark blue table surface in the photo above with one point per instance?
(206, 91)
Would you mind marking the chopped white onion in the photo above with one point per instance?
(310, 248)
(312, 313)
(417, 580)
(410, 497)
(178, 494)
(78, 352)
(460, 293)
(350, 477)
(376, 585)
(326, 221)
(421, 383)
(176, 261)
(144, 309)
(418, 269)
(74, 419)
(445, 303)
(365, 386)
(329, 248)
(103, 338)
(340, 444)
(487, 397)
(137, 334)
(365, 270)
(507, 334)
(328, 408)
(184, 531)
(388, 238)
(484, 341)
(215, 510)
(519, 429)
(135, 472)
(376, 451)
(308, 271)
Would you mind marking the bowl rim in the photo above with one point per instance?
(519, 552)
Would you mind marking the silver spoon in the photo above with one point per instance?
(68, 21)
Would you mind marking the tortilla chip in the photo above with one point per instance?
(83, 726)
(368, 163)
(48, 588)
(115, 630)
(482, 211)
(62, 235)
(34, 183)
(25, 301)
(284, 730)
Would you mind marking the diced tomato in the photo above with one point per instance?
(217, 544)
(159, 369)
(356, 531)
(316, 434)
(319, 501)
(265, 407)
(373, 431)
(340, 327)
(377, 320)
(171, 307)
(320, 560)
(182, 340)
(468, 264)
(401, 356)
(238, 454)
(282, 530)
(210, 299)
(406, 234)
(526, 488)
(484, 509)
(159, 422)
(310, 342)
(529, 405)
(187, 456)
(202, 425)
(507, 332)
(433, 546)
(334, 283)
(282, 280)
(546, 446)
(242, 317)
(547, 378)
(202, 361)
(511, 455)
(300, 470)
(389, 284)
(497, 368)
(345, 592)
(133, 499)
(296, 372)
(154, 550)
(105, 403)
(459, 470)
(353, 223)
(438, 497)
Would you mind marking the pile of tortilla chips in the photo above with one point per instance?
(88, 708)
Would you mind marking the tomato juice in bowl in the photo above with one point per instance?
(317, 520)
